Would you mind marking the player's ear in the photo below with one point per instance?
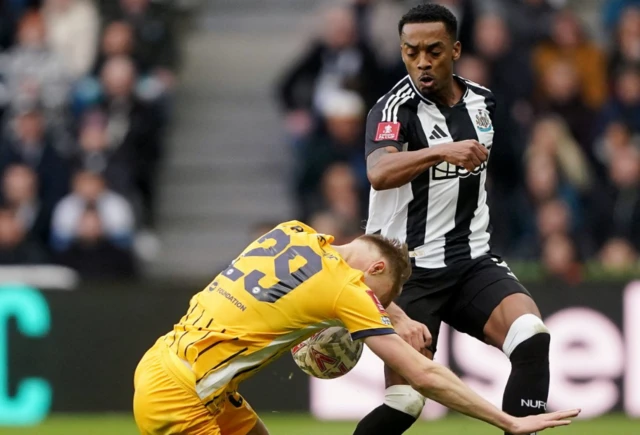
(457, 50)
(377, 268)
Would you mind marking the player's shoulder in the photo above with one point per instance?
(353, 279)
(305, 234)
(356, 288)
(477, 88)
(399, 98)
(401, 89)
(296, 227)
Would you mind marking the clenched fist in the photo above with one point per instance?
(468, 154)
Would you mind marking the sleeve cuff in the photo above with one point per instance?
(382, 144)
(371, 332)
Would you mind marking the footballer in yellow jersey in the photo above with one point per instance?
(282, 288)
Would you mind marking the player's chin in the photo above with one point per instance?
(427, 89)
(426, 92)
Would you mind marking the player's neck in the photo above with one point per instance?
(352, 254)
(345, 251)
(357, 254)
(450, 95)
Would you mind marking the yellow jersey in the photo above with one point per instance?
(282, 288)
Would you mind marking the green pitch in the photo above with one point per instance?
(296, 425)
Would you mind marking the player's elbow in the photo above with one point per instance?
(379, 180)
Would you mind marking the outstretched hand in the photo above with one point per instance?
(536, 423)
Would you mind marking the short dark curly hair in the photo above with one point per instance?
(431, 13)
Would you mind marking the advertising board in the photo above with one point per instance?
(76, 351)
(594, 359)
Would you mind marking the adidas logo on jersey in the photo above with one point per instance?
(437, 133)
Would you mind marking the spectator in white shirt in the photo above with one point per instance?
(72, 32)
(115, 212)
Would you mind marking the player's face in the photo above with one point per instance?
(428, 53)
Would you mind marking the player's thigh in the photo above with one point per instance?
(162, 406)
(239, 418)
(489, 301)
(424, 298)
(424, 310)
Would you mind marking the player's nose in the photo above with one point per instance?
(424, 63)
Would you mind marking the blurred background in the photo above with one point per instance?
(144, 143)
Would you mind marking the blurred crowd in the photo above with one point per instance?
(564, 173)
(85, 94)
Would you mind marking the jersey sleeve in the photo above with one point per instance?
(361, 312)
(383, 127)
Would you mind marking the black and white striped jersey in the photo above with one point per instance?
(442, 214)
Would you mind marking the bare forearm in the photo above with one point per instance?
(440, 384)
(446, 388)
(397, 169)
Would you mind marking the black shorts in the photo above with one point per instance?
(462, 295)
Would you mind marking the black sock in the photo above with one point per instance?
(384, 420)
(527, 390)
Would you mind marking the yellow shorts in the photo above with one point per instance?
(165, 400)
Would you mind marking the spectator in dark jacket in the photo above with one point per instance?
(29, 143)
(134, 126)
(616, 207)
(156, 48)
(15, 247)
(95, 155)
(626, 50)
(340, 140)
(560, 95)
(336, 60)
(20, 195)
(509, 70)
(92, 255)
(118, 39)
(624, 105)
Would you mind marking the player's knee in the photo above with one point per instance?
(405, 399)
(527, 333)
